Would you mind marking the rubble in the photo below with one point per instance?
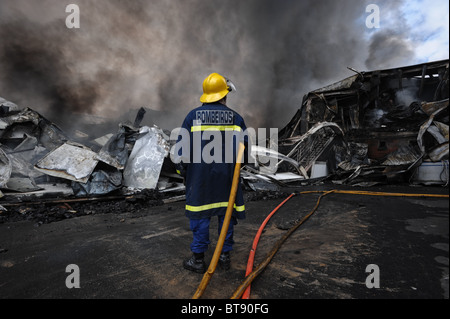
(386, 125)
(44, 210)
(37, 156)
(103, 180)
(47, 176)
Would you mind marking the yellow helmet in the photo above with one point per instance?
(215, 88)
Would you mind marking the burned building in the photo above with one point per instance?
(372, 127)
(376, 126)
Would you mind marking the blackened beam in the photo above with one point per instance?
(422, 81)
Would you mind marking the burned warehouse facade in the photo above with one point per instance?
(375, 127)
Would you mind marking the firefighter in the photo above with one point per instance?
(208, 180)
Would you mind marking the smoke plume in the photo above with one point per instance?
(128, 54)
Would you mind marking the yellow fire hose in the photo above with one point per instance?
(226, 223)
(369, 193)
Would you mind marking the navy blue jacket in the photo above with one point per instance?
(207, 151)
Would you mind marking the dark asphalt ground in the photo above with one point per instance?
(139, 256)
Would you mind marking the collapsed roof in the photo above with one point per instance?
(372, 127)
(375, 101)
(391, 121)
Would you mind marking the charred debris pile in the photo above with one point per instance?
(49, 175)
(378, 127)
(372, 128)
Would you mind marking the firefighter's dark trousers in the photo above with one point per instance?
(200, 231)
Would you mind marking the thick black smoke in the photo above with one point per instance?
(33, 65)
(129, 54)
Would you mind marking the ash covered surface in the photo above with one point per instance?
(55, 210)
(44, 211)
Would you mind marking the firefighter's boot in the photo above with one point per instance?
(196, 263)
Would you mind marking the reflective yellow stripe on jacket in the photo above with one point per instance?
(214, 205)
(215, 128)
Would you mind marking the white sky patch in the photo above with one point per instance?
(428, 21)
(423, 25)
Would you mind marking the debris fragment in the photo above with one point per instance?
(70, 161)
(5, 168)
(146, 159)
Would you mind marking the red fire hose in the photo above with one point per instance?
(251, 256)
